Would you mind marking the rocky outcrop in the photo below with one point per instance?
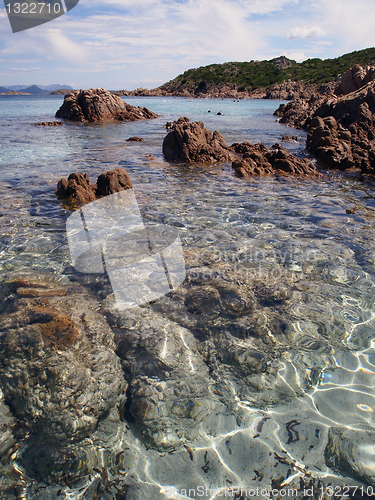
(347, 138)
(98, 104)
(257, 160)
(290, 89)
(304, 101)
(78, 190)
(355, 78)
(191, 142)
(341, 124)
(330, 143)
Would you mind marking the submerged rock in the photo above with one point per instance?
(191, 142)
(351, 453)
(78, 190)
(171, 397)
(58, 368)
(95, 105)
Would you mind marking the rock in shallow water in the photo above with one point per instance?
(58, 368)
(351, 453)
(171, 397)
(258, 160)
(78, 190)
(98, 104)
(191, 142)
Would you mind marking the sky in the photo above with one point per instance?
(127, 44)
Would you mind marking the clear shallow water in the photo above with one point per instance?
(290, 233)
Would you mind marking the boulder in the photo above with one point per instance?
(112, 182)
(191, 142)
(95, 105)
(289, 138)
(330, 143)
(258, 160)
(78, 190)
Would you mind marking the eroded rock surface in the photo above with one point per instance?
(355, 78)
(78, 190)
(257, 160)
(345, 137)
(58, 368)
(191, 142)
(95, 105)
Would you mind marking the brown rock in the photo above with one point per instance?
(258, 160)
(49, 124)
(191, 142)
(341, 124)
(112, 182)
(78, 190)
(98, 104)
(290, 138)
(135, 139)
(355, 78)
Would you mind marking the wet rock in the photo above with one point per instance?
(78, 190)
(102, 452)
(49, 124)
(258, 160)
(98, 104)
(239, 322)
(135, 139)
(290, 138)
(7, 439)
(112, 182)
(191, 142)
(350, 453)
(58, 368)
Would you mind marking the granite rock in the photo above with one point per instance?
(191, 142)
(95, 105)
(78, 190)
(257, 160)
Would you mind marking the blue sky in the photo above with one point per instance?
(126, 44)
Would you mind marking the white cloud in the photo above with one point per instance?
(130, 43)
(305, 32)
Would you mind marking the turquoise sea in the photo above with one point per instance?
(304, 421)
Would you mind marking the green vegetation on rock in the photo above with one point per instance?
(261, 75)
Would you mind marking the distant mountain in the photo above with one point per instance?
(50, 88)
(3, 90)
(35, 90)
